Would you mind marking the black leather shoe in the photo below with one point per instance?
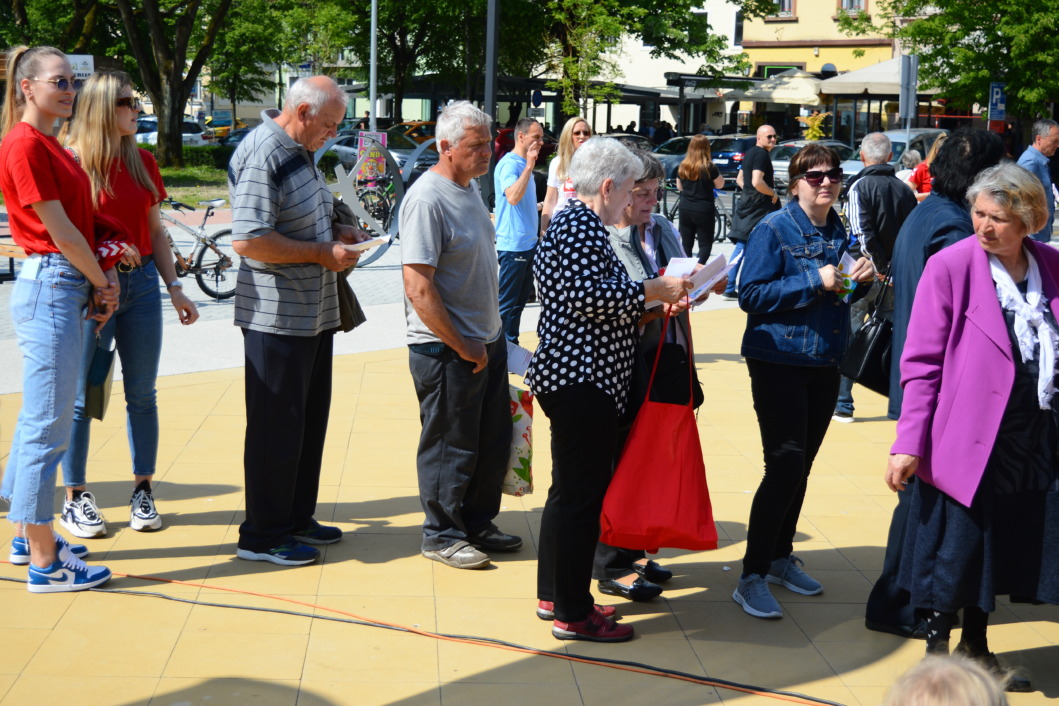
(912, 632)
(653, 572)
(492, 539)
(1012, 680)
(639, 590)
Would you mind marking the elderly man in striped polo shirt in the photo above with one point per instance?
(286, 302)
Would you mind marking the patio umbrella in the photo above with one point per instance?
(791, 86)
(882, 79)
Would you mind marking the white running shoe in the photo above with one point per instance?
(143, 516)
(82, 517)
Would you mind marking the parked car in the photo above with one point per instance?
(235, 137)
(728, 153)
(505, 142)
(400, 146)
(216, 129)
(147, 131)
(418, 130)
(633, 140)
(921, 139)
(783, 152)
(671, 153)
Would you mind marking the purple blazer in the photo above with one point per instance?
(958, 368)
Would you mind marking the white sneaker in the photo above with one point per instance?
(83, 518)
(143, 516)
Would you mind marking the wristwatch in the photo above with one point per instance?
(175, 283)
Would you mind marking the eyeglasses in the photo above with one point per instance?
(586, 133)
(770, 137)
(640, 194)
(129, 102)
(63, 84)
(817, 178)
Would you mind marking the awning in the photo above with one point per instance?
(791, 86)
(880, 80)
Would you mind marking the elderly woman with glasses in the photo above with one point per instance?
(126, 185)
(580, 372)
(797, 325)
(979, 422)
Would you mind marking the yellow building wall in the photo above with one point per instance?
(842, 57)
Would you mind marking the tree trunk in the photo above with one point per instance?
(170, 148)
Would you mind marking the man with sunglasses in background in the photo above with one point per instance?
(877, 205)
(758, 200)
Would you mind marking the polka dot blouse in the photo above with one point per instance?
(589, 308)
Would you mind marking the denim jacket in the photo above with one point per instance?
(791, 318)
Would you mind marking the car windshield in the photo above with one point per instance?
(899, 149)
(191, 128)
(676, 146)
(784, 152)
(728, 145)
(397, 140)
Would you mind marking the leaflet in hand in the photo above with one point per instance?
(365, 244)
(845, 266)
(702, 281)
(518, 359)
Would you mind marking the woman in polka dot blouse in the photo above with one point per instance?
(580, 373)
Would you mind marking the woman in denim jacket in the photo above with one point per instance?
(796, 331)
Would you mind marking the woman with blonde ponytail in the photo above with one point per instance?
(49, 203)
(127, 186)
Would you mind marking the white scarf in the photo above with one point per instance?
(1032, 330)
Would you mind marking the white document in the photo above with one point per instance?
(518, 359)
(712, 272)
(365, 244)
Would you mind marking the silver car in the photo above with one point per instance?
(783, 152)
(399, 145)
(921, 139)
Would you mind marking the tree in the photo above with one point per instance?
(586, 34)
(964, 45)
(160, 33)
(247, 43)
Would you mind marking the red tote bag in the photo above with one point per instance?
(658, 495)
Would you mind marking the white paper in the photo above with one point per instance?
(711, 273)
(365, 244)
(518, 359)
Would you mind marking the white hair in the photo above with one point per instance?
(456, 118)
(1042, 127)
(875, 147)
(602, 158)
(316, 97)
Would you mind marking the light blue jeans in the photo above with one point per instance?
(137, 329)
(47, 308)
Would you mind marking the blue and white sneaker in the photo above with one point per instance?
(754, 595)
(19, 555)
(67, 574)
(82, 518)
(787, 572)
(293, 554)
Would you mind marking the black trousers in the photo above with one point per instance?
(584, 428)
(698, 226)
(465, 443)
(288, 399)
(794, 404)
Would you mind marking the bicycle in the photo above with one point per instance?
(216, 265)
(376, 198)
(724, 219)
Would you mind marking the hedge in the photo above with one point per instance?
(218, 156)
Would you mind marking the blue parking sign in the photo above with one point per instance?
(997, 102)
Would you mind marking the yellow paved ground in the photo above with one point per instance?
(116, 649)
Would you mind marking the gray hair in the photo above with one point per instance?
(1042, 127)
(306, 91)
(910, 159)
(652, 168)
(599, 159)
(1015, 189)
(524, 125)
(875, 147)
(456, 118)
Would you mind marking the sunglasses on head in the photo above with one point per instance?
(63, 83)
(816, 178)
(128, 102)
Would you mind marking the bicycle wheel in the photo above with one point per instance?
(217, 266)
(377, 204)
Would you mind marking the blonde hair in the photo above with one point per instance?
(93, 135)
(1015, 189)
(935, 147)
(946, 681)
(566, 146)
(22, 63)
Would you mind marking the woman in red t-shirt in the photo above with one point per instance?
(127, 186)
(49, 206)
(921, 180)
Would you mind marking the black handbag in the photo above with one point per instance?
(867, 359)
(99, 380)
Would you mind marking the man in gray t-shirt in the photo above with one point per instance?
(286, 302)
(457, 354)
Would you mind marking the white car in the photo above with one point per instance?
(147, 132)
(921, 139)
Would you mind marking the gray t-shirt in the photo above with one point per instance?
(446, 226)
(275, 187)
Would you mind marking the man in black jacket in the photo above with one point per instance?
(759, 197)
(877, 205)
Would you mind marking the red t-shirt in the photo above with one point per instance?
(130, 203)
(33, 168)
(921, 178)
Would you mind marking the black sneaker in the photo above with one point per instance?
(293, 554)
(318, 534)
(493, 540)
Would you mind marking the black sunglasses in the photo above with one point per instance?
(817, 178)
(128, 102)
(64, 84)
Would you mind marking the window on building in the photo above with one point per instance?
(785, 8)
(852, 5)
(737, 34)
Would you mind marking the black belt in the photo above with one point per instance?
(145, 260)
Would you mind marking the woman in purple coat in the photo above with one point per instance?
(979, 420)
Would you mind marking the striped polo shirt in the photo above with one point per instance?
(275, 187)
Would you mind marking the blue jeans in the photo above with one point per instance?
(516, 286)
(137, 330)
(47, 307)
(730, 288)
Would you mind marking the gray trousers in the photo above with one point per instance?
(465, 444)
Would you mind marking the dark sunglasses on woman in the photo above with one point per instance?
(815, 178)
(129, 102)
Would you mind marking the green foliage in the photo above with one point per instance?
(964, 45)
(243, 48)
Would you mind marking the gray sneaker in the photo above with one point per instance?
(787, 572)
(754, 595)
(460, 555)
